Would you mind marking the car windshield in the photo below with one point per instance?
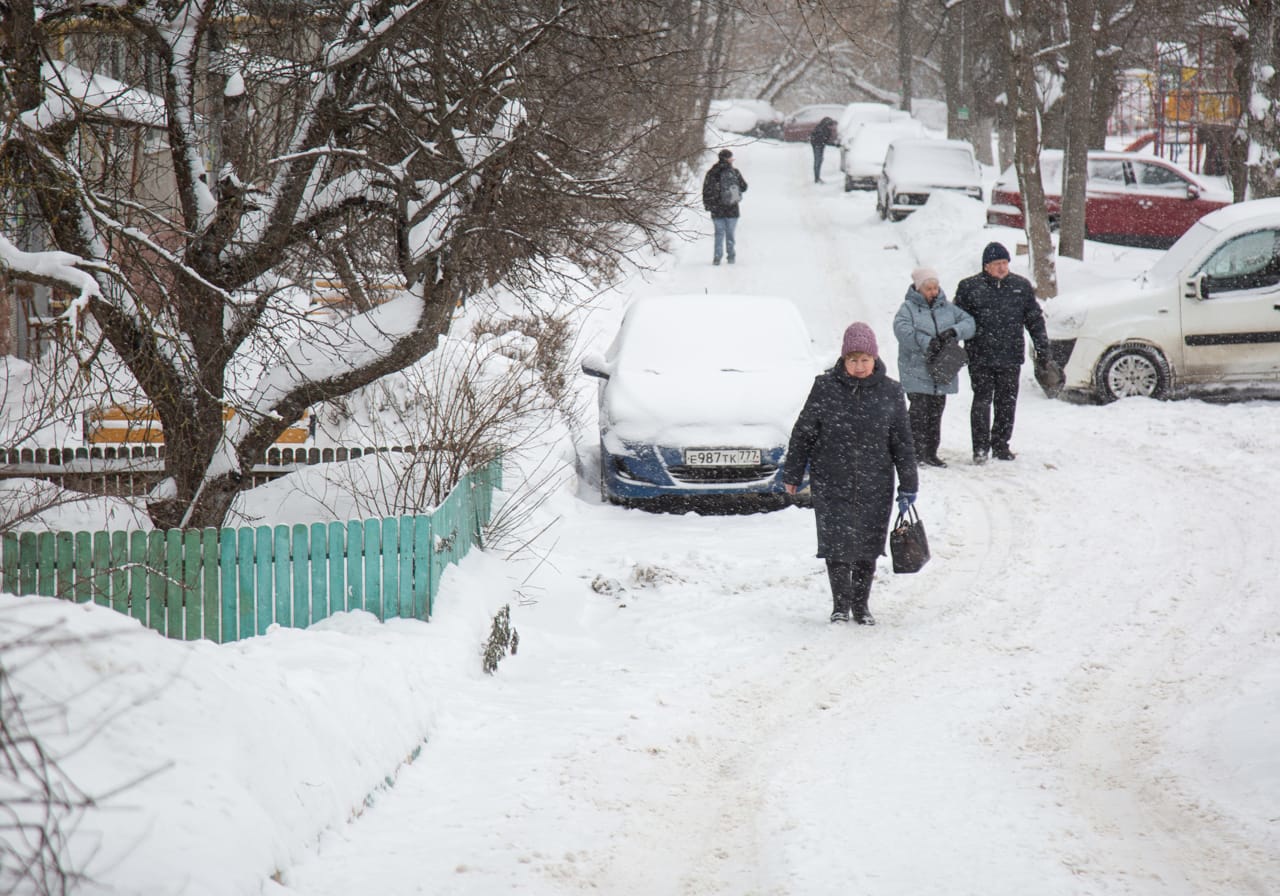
(741, 334)
(1171, 264)
(933, 159)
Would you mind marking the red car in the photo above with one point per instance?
(1130, 198)
(798, 125)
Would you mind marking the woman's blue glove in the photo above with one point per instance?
(905, 500)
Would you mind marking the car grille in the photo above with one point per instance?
(682, 473)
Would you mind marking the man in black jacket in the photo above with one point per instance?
(822, 136)
(1002, 305)
(721, 189)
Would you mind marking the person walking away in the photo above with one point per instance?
(722, 190)
(853, 436)
(822, 136)
(1002, 305)
(925, 319)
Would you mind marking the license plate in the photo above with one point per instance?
(721, 457)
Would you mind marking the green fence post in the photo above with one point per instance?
(138, 574)
(83, 551)
(155, 581)
(101, 569)
(193, 597)
(355, 566)
(404, 596)
(320, 608)
(64, 565)
(280, 579)
(209, 573)
(9, 563)
(300, 555)
(337, 547)
(264, 595)
(228, 586)
(389, 537)
(120, 572)
(423, 558)
(29, 563)
(174, 589)
(373, 568)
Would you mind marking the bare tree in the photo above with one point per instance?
(451, 145)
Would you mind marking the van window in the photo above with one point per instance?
(1250, 261)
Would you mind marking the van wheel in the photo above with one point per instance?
(848, 184)
(1132, 369)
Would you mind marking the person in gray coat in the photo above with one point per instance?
(926, 318)
(852, 435)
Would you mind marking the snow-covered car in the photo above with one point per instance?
(698, 394)
(799, 124)
(1130, 198)
(1206, 314)
(754, 118)
(862, 154)
(855, 115)
(915, 167)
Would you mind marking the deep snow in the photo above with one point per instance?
(1078, 695)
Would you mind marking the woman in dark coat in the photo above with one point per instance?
(852, 435)
(926, 316)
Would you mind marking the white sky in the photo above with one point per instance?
(1078, 695)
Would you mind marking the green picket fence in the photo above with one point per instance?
(226, 584)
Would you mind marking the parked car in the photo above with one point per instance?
(698, 394)
(862, 154)
(1130, 198)
(1206, 315)
(855, 115)
(798, 125)
(913, 168)
(754, 118)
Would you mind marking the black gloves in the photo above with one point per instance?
(948, 333)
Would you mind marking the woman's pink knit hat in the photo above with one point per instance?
(859, 338)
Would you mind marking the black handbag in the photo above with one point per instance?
(944, 359)
(908, 543)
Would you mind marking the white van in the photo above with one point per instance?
(1206, 315)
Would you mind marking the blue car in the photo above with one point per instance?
(698, 394)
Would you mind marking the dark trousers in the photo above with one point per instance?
(998, 385)
(926, 423)
(818, 150)
(850, 584)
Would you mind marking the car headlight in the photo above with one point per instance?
(1073, 320)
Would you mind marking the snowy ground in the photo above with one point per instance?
(1078, 695)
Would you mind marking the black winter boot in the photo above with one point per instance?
(863, 572)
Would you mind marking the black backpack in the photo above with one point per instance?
(730, 190)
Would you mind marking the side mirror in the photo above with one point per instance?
(1197, 287)
(593, 365)
(1193, 192)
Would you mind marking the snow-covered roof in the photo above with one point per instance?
(72, 90)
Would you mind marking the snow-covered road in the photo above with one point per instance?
(1078, 695)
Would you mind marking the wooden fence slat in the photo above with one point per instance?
(82, 567)
(229, 586)
(29, 568)
(280, 578)
(373, 568)
(155, 581)
(337, 546)
(119, 564)
(390, 538)
(355, 566)
(246, 599)
(100, 568)
(138, 542)
(319, 567)
(10, 555)
(193, 581)
(301, 576)
(266, 607)
(48, 542)
(404, 590)
(174, 590)
(423, 555)
(209, 570)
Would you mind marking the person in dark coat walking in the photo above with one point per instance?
(925, 318)
(1002, 305)
(721, 189)
(822, 136)
(853, 435)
